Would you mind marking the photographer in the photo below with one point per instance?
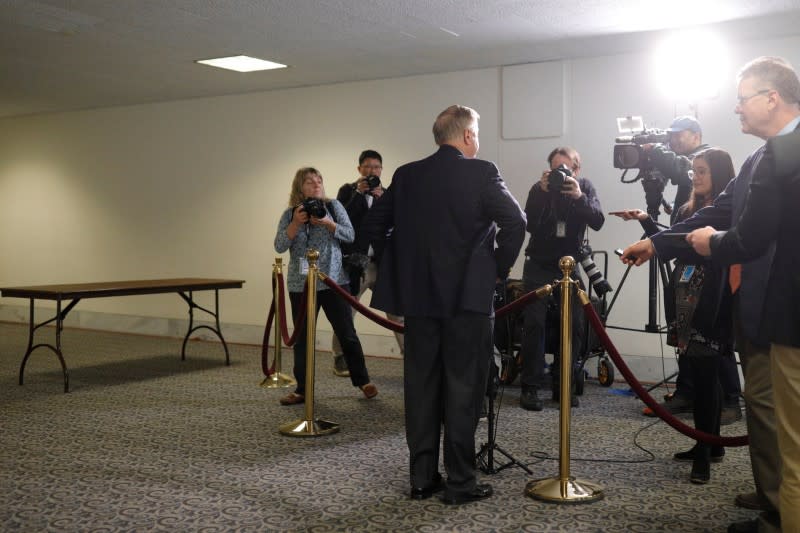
(674, 160)
(359, 260)
(557, 220)
(314, 222)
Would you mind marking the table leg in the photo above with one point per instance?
(192, 328)
(32, 327)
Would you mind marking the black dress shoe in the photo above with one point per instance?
(423, 493)
(701, 472)
(529, 399)
(481, 491)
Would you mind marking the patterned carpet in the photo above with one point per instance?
(145, 442)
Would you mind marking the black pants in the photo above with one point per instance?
(535, 327)
(728, 372)
(337, 309)
(704, 364)
(446, 368)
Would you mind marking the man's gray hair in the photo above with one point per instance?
(775, 72)
(452, 122)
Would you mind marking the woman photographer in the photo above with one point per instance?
(702, 331)
(315, 222)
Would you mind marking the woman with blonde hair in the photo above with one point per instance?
(313, 221)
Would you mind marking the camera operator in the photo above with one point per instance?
(674, 160)
(359, 259)
(557, 220)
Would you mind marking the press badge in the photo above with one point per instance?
(686, 275)
(561, 229)
(303, 266)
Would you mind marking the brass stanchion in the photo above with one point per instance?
(277, 379)
(309, 427)
(565, 488)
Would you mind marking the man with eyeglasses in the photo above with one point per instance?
(360, 260)
(557, 220)
(768, 105)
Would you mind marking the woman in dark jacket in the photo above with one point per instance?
(702, 331)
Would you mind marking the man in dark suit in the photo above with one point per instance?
(360, 261)
(772, 213)
(439, 269)
(767, 106)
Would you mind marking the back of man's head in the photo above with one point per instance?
(776, 73)
(452, 122)
(369, 154)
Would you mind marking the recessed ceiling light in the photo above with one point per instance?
(241, 63)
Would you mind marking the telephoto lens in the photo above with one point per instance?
(599, 283)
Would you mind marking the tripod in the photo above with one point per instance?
(653, 184)
(485, 458)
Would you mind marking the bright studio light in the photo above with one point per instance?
(690, 66)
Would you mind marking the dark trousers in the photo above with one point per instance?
(337, 309)
(703, 363)
(535, 327)
(446, 367)
(728, 374)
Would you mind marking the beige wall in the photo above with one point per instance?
(196, 187)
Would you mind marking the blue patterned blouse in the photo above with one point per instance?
(319, 238)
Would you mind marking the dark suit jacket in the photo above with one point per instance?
(722, 214)
(440, 259)
(772, 214)
(356, 206)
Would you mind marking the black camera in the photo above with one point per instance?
(557, 177)
(314, 207)
(600, 284)
(628, 151)
(373, 181)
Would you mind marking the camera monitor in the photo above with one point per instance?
(630, 125)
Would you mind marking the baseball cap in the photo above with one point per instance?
(685, 123)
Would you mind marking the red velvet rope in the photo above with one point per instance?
(395, 326)
(358, 306)
(662, 413)
(289, 341)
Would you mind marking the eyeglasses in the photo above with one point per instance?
(375, 167)
(742, 99)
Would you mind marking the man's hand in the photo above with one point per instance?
(544, 181)
(700, 239)
(361, 185)
(377, 192)
(571, 188)
(638, 253)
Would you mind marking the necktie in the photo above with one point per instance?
(735, 277)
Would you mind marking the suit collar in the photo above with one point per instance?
(447, 149)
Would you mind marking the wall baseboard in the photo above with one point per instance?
(647, 369)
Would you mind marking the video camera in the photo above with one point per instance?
(314, 207)
(628, 150)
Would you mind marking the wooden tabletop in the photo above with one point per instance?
(119, 288)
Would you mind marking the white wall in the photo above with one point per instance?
(195, 188)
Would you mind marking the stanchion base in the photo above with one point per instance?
(278, 380)
(568, 490)
(309, 428)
